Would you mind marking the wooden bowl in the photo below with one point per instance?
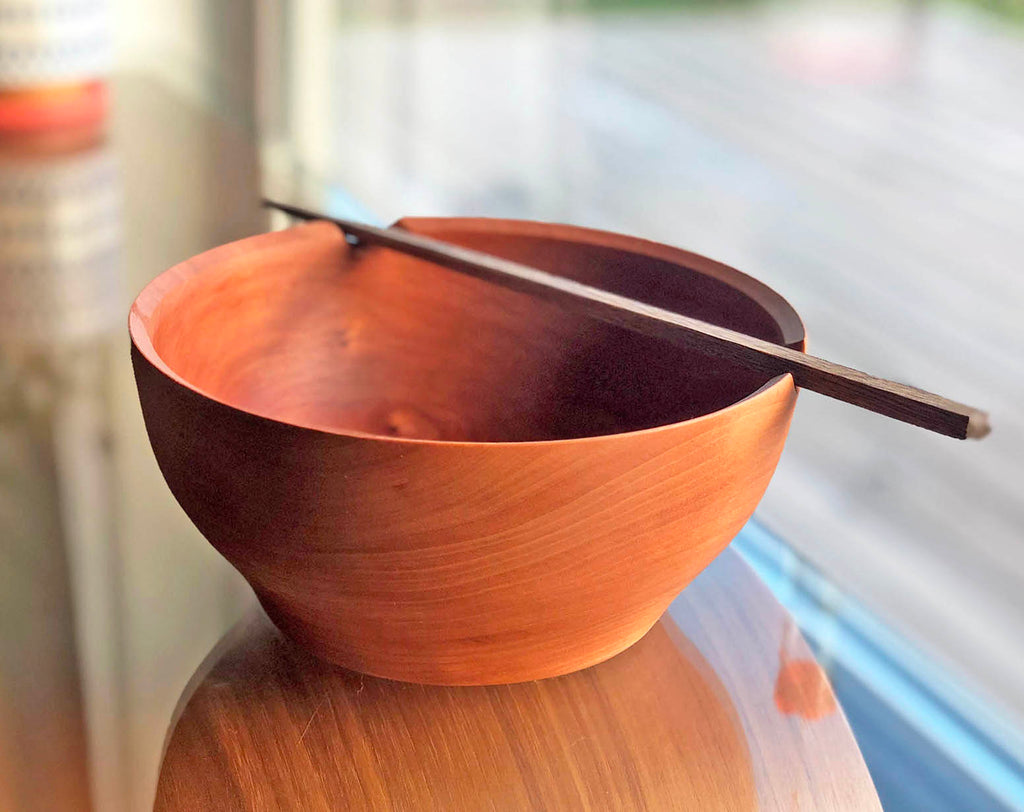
(433, 479)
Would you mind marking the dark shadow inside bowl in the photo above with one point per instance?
(367, 340)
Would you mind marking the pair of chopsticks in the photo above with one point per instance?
(895, 400)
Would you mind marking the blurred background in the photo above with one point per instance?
(865, 159)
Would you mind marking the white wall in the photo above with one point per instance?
(203, 49)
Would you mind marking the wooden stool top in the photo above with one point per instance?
(720, 706)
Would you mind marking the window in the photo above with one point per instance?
(864, 161)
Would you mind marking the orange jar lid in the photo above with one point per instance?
(82, 104)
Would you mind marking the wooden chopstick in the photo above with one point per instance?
(889, 398)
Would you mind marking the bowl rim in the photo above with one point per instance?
(777, 307)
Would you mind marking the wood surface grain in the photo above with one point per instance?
(428, 478)
(684, 719)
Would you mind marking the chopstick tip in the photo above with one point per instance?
(978, 426)
(287, 208)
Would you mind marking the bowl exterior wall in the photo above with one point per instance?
(455, 563)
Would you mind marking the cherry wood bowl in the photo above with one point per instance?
(433, 479)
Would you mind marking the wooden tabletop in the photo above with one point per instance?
(720, 706)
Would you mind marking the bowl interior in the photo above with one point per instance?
(367, 340)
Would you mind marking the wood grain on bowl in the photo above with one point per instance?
(433, 479)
